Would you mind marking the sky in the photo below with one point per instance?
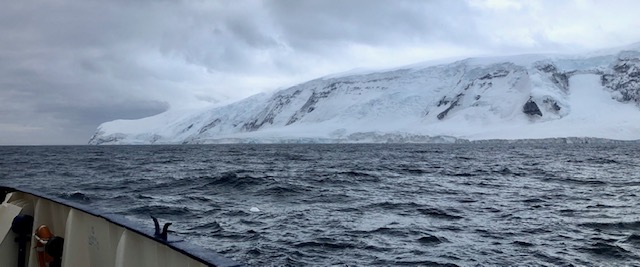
(68, 66)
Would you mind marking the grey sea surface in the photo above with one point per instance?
(363, 205)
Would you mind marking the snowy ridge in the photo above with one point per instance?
(595, 95)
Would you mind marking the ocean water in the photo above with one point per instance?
(363, 205)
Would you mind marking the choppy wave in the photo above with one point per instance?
(76, 196)
(363, 205)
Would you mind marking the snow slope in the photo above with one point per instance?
(517, 97)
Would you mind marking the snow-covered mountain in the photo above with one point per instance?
(519, 97)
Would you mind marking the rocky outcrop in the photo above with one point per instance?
(310, 105)
(205, 128)
(100, 138)
(552, 105)
(454, 104)
(624, 79)
(531, 108)
(274, 108)
(559, 78)
(495, 74)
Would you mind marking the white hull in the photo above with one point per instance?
(90, 239)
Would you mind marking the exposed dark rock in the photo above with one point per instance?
(605, 79)
(455, 103)
(268, 114)
(99, 138)
(554, 105)
(443, 101)
(495, 74)
(210, 125)
(385, 79)
(548, 68)
(155, 138)
(625, 80)
(622, 66)
(560, 79)
(446, 111)
(531, 108)
(310, 105)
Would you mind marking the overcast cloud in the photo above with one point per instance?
(67, 66)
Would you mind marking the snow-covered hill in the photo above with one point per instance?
(520, 97)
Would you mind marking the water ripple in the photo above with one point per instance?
(363, 205)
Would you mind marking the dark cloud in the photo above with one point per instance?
(67, 66)
(306, 24)
(40, 109)
(66, 124)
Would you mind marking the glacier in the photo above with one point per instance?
(593, 95)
